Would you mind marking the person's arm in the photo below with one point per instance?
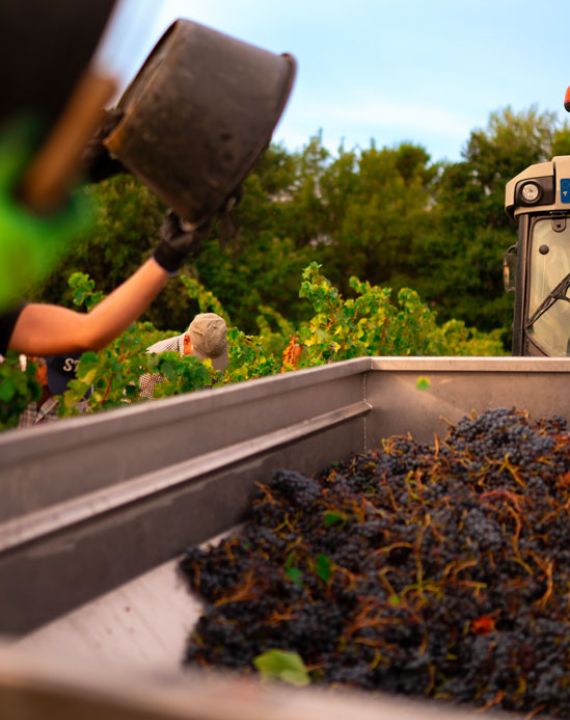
(53, 330)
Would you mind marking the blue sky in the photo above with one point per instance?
(424, 71)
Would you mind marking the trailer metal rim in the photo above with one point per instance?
(41, 524)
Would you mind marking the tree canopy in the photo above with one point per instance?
(390, 216)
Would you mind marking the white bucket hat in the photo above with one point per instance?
(208, 336)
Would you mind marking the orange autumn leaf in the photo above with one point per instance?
(482, 625)
(291, 354)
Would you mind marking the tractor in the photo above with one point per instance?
(537, 268)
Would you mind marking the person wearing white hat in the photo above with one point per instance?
(205, 338)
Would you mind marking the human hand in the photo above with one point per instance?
(178, 243)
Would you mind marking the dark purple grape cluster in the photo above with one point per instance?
(439, 570)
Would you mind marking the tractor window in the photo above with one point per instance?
(549, 265)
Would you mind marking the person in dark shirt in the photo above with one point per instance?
(52, 375)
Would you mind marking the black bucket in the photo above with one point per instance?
(199, 114)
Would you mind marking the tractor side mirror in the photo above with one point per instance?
(510, 269)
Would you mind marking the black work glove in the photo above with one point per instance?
(98, 163)
(176, 245)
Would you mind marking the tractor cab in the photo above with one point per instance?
(537, 268)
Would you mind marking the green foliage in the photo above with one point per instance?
(380, 220)
(283, 665)
(110, 377)
(261, 363)
(561, 140)
(339, 329)
(127, 221)
(459, 258)
(83, 290)
(256, 269)
(510, 142)
(370, 324)
(295, 575)
(378, 201)
(423, 383)
(181, 374)
(126, 228)
(17, 389)
(323, 567)
(333, 517)
(207, 301)
(390, 216)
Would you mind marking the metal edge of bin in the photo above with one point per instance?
(148, 514)
(424, 395)
(484, 364)
(178, 407)
(152, 516)
(15, 445)
(27, 678)
(50, 464)
(34, 687)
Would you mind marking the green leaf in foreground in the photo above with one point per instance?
(283, 665)
(423, 383)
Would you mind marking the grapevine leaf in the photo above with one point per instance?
(332, 518)
(7, 390)
(423, 383)
(295, 575)
(295, 677)
(282, 665)
(323, 567)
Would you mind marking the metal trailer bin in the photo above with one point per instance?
(96, 510)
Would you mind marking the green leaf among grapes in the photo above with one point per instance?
(283, 665)
(332, 517)
(295, 575)
(323, 567)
